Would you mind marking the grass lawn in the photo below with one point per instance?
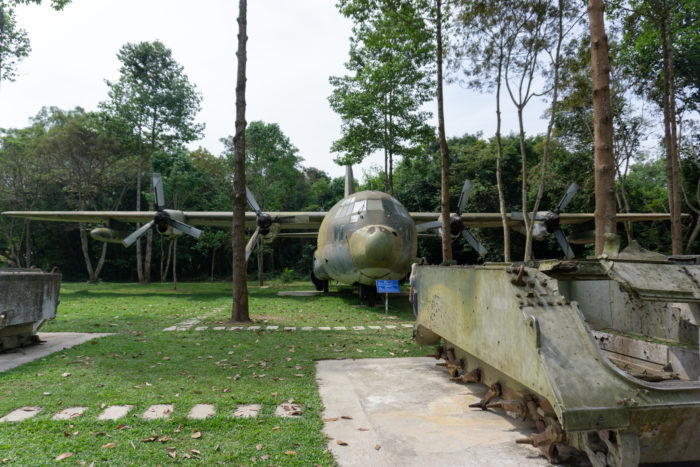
(141, 365)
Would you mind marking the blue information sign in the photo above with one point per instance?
(385, 286)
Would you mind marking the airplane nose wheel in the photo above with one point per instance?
(368, 293)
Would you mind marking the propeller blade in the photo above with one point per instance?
(252, 202)
(135, 235)
(474, 242)
(573, 188)
(252, 242)
(158, 188)
(428, 226)
(464, 196)
(564, 244)
(185, 228)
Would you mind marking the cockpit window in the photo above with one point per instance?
(400, 209)
(359, 206)
(374, 205)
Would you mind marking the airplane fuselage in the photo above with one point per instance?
(366, 236)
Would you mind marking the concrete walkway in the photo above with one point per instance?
(54, 342)
(389, 412)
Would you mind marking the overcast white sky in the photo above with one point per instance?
(293, 47)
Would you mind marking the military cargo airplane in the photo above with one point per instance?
(365, 236)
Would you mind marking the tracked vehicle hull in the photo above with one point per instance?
(601, 354)
(28, 297)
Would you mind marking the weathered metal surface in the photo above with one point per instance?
(532, 333)
(28, 297)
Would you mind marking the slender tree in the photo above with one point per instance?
(605, 208)
(239, 309)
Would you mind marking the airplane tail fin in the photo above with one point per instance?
(349, 181)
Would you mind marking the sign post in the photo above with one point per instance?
(386, 287)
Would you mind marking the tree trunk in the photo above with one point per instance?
(86, 254)
(499, 155)
(669, 104)
(260, 261)
(175, 264)
(101, 261)
(605, 209)
(213, 257)
(239, 309)
(444, 153)
(139, 175)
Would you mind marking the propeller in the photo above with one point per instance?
(550, 219)
(163, 220)
(456, 224)
(265, 222)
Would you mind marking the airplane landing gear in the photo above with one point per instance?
(368, 293)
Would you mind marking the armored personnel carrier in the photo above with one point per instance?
(28, 297)
(602, 354)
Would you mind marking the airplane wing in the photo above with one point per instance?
(287, 220)
(493, 219)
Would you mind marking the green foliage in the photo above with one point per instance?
(287, 275)
(391, 61)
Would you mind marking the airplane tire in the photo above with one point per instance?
(325, 286)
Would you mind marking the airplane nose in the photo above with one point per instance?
(375, 248)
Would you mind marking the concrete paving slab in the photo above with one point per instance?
(69, 413)
(20, 414)
(158, 411)
(358, 328)
(324, 328)
(288, 410)
(290, 328)
(54, 341)
(247, 411)
(307, 328)
(406, 412)
(115, 412)
(201, 411)
(374, 327)
(219, 328)
(272, 328)
(253, 328)
(198, 328)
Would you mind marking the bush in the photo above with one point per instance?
(287, 275)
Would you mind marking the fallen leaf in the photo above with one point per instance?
(346, 417)
(108, 446)
(265, 457)
(258, 447)
(196, 452)
(186, 456)
(149, 440)
(363, 429)
(166, 358)
(378, 447)
(65, 375)
(276, 428)
(132, 445)
(299, 375)
(216, 448)
(65, 455)
(290, 453)
(47, 393)
(340, 442)
(122, 426)
(274, 394)
(65, 433)
(172, 454)
(332, 419)
(196, 435)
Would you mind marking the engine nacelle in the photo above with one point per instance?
(318, 270)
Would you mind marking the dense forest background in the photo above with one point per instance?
(73, 159)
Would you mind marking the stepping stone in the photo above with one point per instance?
(272, 328)
(339, 328)
(288, 410)
(358, 328)
(171, 328)
(68, 413)
(236, 328)
(253, 328)
(247, 411)
(201, 411)
(290, 328)
(374, 327)
(407, 325)
(219, 328)
(20, 414)
(324, 328)
(115, 412)
(158, 411)
(390, 326)
(307, 328)
(201, 328)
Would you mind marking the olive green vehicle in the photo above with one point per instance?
(601, 354)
